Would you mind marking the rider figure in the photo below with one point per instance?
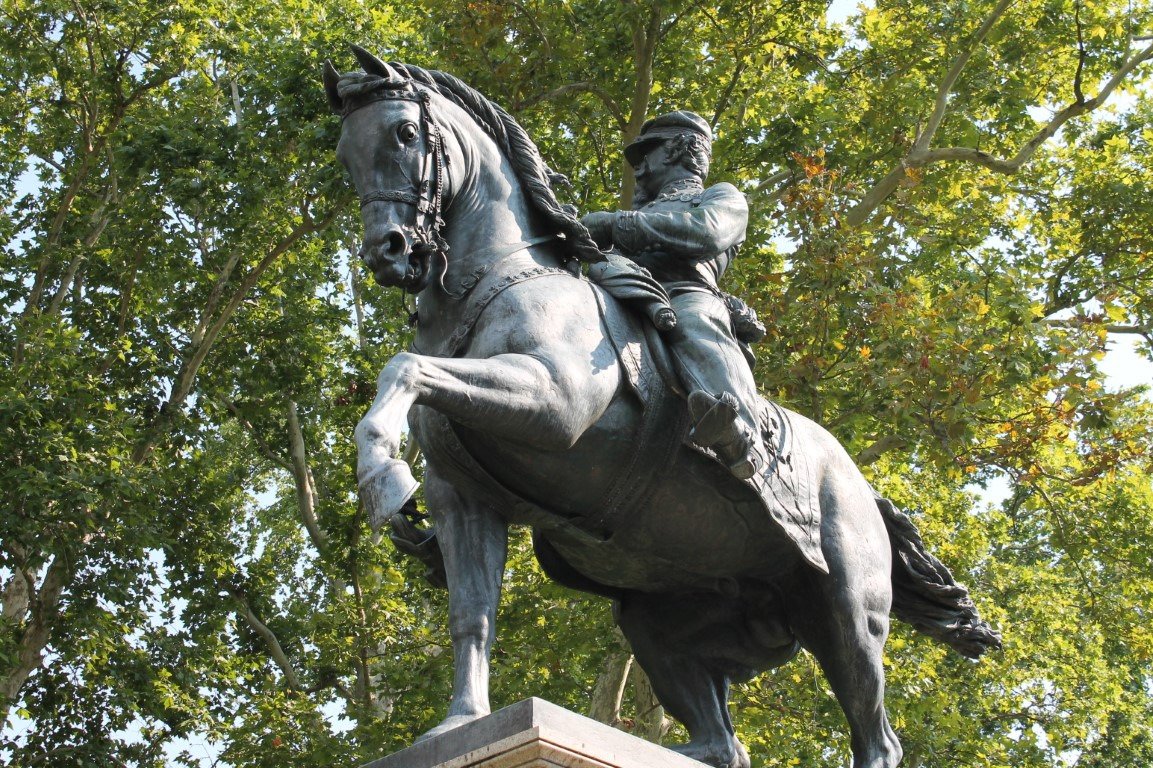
(686, 235)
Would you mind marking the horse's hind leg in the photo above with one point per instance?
(692, 687)
(474, 541)
(842, 618)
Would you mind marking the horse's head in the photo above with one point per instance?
(391, 147)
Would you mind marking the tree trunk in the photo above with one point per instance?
(651, 723)
(41, 608)
(609, 690)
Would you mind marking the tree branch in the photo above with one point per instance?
(1137, 330)
(646, 37)
(879, 448)
(859, 213)
(99, 221)
(780, 180)
(941, 103)
(217, 288)
(1026, 152)
(1078, 94)
(269, 637)
(584, 86)
(921, 154)
(364, 692)
(265, 448)
(302, 475)
(356, 285)
(51, 242)
(726, 96)
(198, 349)
(530, 17)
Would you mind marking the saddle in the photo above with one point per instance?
(787, 486)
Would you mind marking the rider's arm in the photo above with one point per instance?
(702, 231)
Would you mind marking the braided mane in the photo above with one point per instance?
(535, 177)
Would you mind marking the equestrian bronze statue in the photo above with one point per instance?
(542, 397)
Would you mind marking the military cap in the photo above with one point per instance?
(666, 127)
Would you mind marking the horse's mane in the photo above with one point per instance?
(535, 177)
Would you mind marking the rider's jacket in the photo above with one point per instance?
(687, 235)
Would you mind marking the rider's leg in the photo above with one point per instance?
(712, 366)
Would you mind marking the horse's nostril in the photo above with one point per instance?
(396, 244)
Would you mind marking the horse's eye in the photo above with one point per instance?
(407, 132)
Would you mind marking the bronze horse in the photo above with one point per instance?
(534, 397)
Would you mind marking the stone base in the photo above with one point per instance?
(535, 734)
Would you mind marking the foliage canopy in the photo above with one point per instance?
(951, 222)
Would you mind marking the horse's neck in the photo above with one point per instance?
(487, 216)
(488, 209)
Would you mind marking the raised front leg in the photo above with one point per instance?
(546, 400)
(474, 541)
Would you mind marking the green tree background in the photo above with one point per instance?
(951, 222)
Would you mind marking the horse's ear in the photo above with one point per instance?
(375, 66)
(331, 81)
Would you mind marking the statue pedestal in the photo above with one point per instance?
(534, 734)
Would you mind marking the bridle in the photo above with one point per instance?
(427, 196)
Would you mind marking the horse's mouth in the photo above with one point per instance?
(417, 272)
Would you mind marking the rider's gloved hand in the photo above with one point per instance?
(600, 226)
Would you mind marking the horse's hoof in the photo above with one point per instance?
(385, 490)
(452, 722)
(722, 754)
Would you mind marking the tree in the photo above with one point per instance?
(950, 222)
(170, 300)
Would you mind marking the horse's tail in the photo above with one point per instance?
(925, 594)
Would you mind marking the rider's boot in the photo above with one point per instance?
(717, 425)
